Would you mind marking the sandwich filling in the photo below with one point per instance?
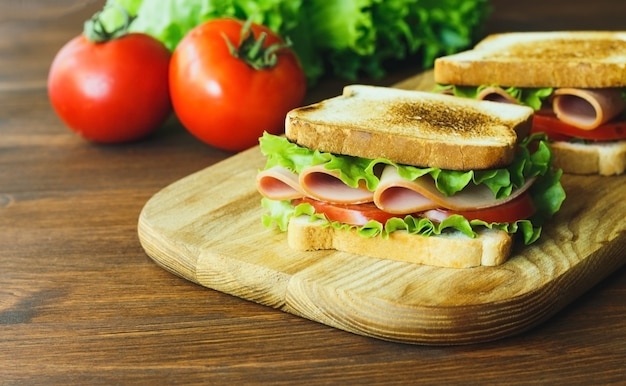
(564, 114)
(379, 196)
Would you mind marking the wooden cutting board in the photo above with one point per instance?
(206, 228)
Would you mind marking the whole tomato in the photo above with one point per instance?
(230, 81)
(112, 89)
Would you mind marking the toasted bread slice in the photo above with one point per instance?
(412, 127)
(606, 159)
(586, 59)
(453, 250)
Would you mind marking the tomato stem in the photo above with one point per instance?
(95, 28)
(252, 51)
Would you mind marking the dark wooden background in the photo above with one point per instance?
(81, 303)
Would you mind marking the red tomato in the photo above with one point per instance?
(354, 214)
(223, 100)
(359, 214)
(561, 131)
(519, 208)
(113, 91)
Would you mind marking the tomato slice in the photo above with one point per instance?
(520, 208)
(561, 131)
(353, 214)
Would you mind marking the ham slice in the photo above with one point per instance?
(324, 185)
(279, 183)
(587, 109)
(496, 94)
(396, 195)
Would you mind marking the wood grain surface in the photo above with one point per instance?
(82, 304)
(207, 229)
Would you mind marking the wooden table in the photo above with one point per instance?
(81, 303)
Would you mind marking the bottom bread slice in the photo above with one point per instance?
(454, 250)
(603, 158)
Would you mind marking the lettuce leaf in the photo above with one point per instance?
(533, 97)
(547, 192)
(353, 170)
(345, 38)
(278, 214)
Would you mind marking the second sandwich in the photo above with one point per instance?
(575, 80)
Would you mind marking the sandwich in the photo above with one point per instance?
(574, 80)
(410, 176)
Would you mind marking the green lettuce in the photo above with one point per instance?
(345, 38)
(354, 170)
(546, 191)
(533, 97)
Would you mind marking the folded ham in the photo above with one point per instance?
(587, 109)
(393, 194)
(397, 195)
(279, 183)
(324, 185)
(496, 94)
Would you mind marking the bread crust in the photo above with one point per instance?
(606, 159)
(412, 127)
(586, 59)
(455, 250)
